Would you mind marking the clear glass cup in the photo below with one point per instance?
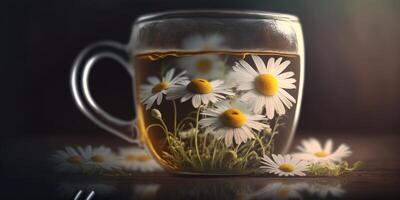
(214, 90)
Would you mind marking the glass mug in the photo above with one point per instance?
(214, 91)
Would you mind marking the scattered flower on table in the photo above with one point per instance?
(137, 159)
(99, 158)
(68, 160)
(312, 150)
(284, 165)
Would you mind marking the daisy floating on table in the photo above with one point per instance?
(313, 151)
(68, 160)
(100, 158)
(284, 165)
(265, 88)
(137, 159)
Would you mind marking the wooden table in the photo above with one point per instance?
(26, 174)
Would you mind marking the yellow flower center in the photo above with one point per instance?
(97, 158)
(160, 87)
(143, 158)
(286, 167)
(130, 157)
(233, 117)
(266, 84)
(75, 159)
(200, 86)
(204, 65)
(321, 154)
(283, 192)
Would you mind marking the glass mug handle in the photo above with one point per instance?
(79, 81)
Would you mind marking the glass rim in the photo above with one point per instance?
(239, 14)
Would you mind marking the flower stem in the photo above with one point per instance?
(175, 117)
(197, 135)
(261, 143)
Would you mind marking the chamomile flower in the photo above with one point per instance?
(286, 165)
(265, 88)
(206, 66)
(232, 121)
(137, 159)
(312, 150)
(201, 91)
(280, 191)
(99, 158)
(68, 160)
(157, 88)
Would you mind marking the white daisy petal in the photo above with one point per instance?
(259, 64)
(270, 65)
(281, 67)
(285, 75)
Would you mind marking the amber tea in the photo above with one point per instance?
(215, 111)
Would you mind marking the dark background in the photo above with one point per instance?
(352, 61)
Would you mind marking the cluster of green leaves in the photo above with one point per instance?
(331, 168)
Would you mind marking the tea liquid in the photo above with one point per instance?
(188, 149)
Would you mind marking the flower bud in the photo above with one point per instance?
(267, 131)
(156, 113)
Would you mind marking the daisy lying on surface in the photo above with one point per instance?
(100, 160)
(312, 160)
